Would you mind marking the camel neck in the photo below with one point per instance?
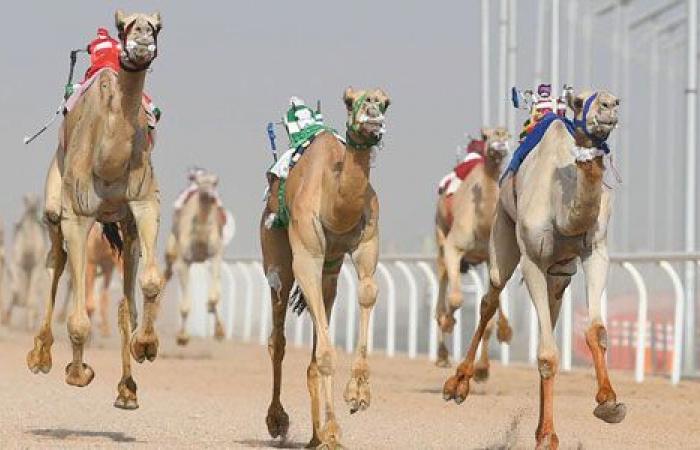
(131, 92)
(584, 207)
(353, 182)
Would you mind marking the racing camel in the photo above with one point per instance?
(26, 261)
(334, 211)
(102, 172)
(199, 234)
(463, 222)
(552, 210)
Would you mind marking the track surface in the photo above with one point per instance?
(216, 395)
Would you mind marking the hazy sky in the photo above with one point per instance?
(226, 68)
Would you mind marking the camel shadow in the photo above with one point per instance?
(262, 443)
(64, 433)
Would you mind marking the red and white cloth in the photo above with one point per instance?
(451, 182)
(104, 52)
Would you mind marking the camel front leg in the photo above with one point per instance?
(144, 343)
(75, 230)
(481, 368)
(504, 255)
(39, 358)
(452, 258)
(595, 266)
(215, 293)
(357, 391)
(308, 251)
(183, 275)
(127, 316)
(443, 355)
(170, 256)
(90, 276)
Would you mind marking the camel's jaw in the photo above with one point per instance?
(602, 127)
(497, 150)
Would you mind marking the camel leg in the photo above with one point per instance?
(170, 256)
(75, 230)
(313, 383)
(127, 316)
(481, 367)
(39, 358)
(183, 274)
(443, 356)
(595, 266)
(504, 255)
(144, 342)
(32, 291)
(357, 393)
(215, 293)
(452, 257)
(277, 259)
(308, 250)
(504, 333)
(107, 273)
(90, 275)
(63, 312)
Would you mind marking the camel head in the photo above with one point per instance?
(365, 125)
(206, 186)
(138, 34)
(595, 113)
(495, 143)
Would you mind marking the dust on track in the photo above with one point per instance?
(216, 395)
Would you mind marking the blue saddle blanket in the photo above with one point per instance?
(532, 139)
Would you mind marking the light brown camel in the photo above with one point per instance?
(102, 260)
(102, 171)
(26, 261)
(334, 212)
(197, 236)
(554, 210)
(462, 228)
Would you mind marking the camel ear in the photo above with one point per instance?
(119, 19)
(385, 98)
(155, 20)
(486, 133)
(349, 97)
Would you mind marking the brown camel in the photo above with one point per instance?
(197, 236)
(27, 258)
(102, 260)
(334, 212)
(462, 228)
(553, 210)
(102, 172)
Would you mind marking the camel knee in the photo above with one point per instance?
(312, 375)
(596, 335)
(151, 283)
(547, 363)
(276, 345)
(368, 292)
(326, 359)
(455, 299)
(78, 328)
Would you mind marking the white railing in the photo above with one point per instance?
(407, 326)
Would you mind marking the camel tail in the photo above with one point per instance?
(111, 232)
(297, 300)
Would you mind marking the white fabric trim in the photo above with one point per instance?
(583, 154)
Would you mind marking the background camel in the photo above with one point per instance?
(102, 260)
(334, 212)
(102, 171)
(462, 228)
(552, 211)
(198, 236)
(26, 261)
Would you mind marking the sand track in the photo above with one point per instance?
(216, 395)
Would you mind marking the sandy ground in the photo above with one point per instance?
(216, 395)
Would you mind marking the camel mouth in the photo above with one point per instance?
(138, 54)
(374, 126)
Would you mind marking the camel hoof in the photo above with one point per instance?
(481, 373)
(182, 339)
(314, 443)
(549, 441)
(456, 388)
(504, 333)
(39, 358)
(79, 376)
(144, 347)
(610, 411)
(330, 437)
(357, 394)
(277, 421)
(126, 395)
(219, 333)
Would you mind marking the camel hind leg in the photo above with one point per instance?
(443, 356)
(39, 358)
(127, 316)
(277, 262)
(504, 255)
(183, 275)
(215, 293)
